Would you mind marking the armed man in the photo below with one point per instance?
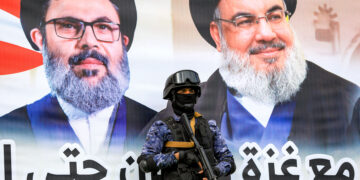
(168, 146)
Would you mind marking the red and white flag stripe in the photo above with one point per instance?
(16, 54)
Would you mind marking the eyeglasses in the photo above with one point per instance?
(275, 18)
(69, 28)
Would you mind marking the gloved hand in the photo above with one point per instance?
(147, 164)
(144, 166)
(216, 171)
(188, 157)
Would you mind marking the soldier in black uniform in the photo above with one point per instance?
(168, 148)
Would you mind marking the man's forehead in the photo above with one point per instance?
(249, 6)
(86, 10)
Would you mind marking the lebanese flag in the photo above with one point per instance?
(16, 54)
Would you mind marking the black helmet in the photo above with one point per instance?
(180, 79)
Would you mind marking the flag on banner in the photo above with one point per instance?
(16, 54)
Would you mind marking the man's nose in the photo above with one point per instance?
(264, 31)
(88, 40)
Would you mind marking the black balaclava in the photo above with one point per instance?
(184, 103)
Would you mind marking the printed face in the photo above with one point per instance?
(91, 69)
(263, 42)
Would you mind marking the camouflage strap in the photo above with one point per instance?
(196, 114)
(179, 144)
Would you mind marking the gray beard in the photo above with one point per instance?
(73, 89)
(273, 87)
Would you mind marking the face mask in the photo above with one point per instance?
(184, 103)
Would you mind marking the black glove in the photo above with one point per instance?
(147, 164)
(188, 157)
(216, 171)
(144, 166)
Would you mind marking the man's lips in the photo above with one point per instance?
(91, 61)
(268, 51)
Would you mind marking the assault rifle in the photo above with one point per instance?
(203, 158)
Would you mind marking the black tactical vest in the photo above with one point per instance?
(206, 139)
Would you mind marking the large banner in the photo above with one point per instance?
(80, 83)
